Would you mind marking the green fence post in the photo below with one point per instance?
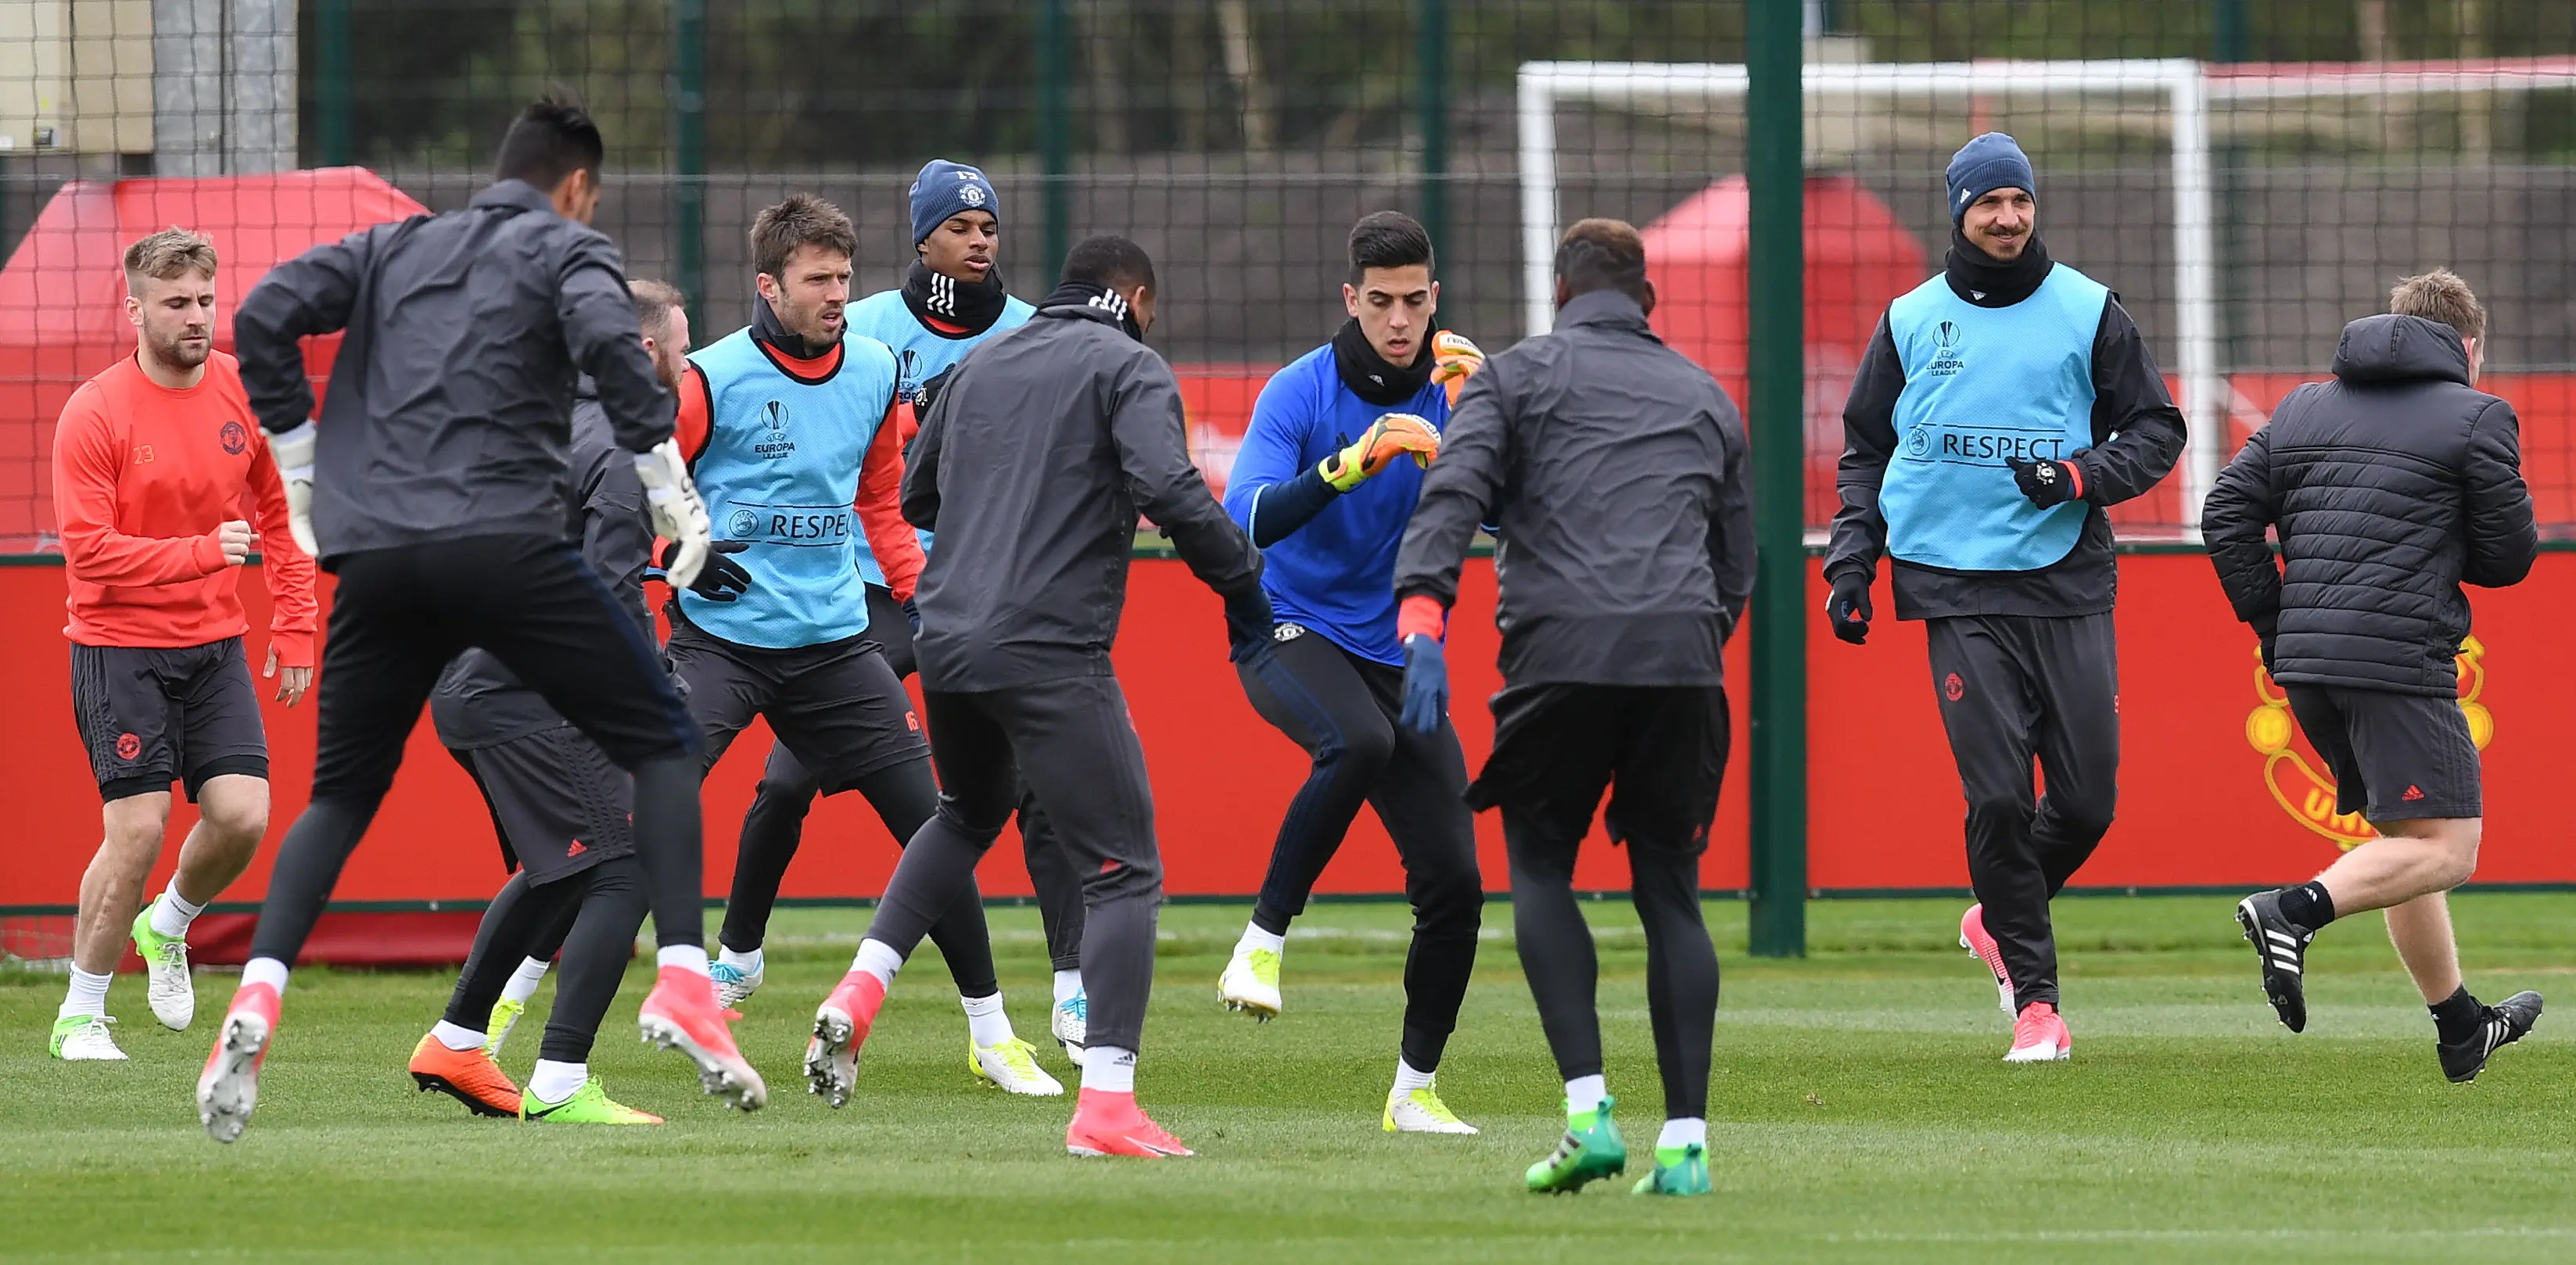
(1055, 133)
(331, 82)
(2227, 43)
(1775, 125)
(689, 156)
(1431, 45)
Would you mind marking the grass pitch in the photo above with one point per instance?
(1860, 1113)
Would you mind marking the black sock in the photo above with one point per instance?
(2308, 905)
(2456, 1018)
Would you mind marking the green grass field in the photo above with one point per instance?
(1860, 1113)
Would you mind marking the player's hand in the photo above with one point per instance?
(1453, 361)
(912, 612)
(1848, 609)
(678, 515)
(1388, 438)
(722, 579)
(293, 453)
(233, 537)
(1426, 684)
(2048, 484)
(1248, 624)
(291, 682)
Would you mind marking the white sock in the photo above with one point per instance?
(1681, 1133)
(172, 913)
(86, 996)
(523, 982)
(1068, 985)
(1584, 1093)
(1109, 1069)
(1256, 938)
(748, 963)
(1408, 1080)
(986, 1021)
(687, 957)
(457, 1036)
(267, 971)
(877, 958)
(554, 1082)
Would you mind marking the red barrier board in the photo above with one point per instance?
(2201, 804)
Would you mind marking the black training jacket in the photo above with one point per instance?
(1615, 473)
(1032, 466)
(2390, 486)
(449, 412)
(478, 703)
(2137, 436)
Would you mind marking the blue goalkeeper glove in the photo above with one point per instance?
(1426, 684)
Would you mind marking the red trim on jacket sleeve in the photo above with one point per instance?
(1420, 613)
(880, 503)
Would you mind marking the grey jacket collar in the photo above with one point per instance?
(515, 193)
(1609, 308)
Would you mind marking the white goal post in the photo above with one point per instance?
(2187, 90)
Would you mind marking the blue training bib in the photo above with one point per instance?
(1984, 386)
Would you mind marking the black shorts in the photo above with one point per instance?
(154, 715)
(1660, 751)
(838, 708)
(2394, 757)
(558, 804)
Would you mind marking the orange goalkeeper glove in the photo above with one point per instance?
(1453, 361)
(1388, 438)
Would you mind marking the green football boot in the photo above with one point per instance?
(1590, 1151)
(505, 1016)
(1679, 1170)
(589, 1104)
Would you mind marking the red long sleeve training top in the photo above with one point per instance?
(143, 477)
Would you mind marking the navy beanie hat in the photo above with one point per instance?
(944, 189)
(1989, 162)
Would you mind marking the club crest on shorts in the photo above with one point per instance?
(1953, 689)
(1287, 632)
(128, 746)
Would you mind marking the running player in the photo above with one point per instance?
(433, 485)
(1616, 471)
(2002, 408)
(561, 810)
(1321, 486)
(154, 460)
(1019, 609)
(2389, 487)
(951, 301)
(792, 430)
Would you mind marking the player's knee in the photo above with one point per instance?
(235, 807)
(2083, 818)
(1448, 896)
(1124, 880)
(1989, 809)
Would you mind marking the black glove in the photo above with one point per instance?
(1248, 621)
(722, 579)
(912, 611)
(2267, 631)
(1848, 609)
(2048, 484)
(927, 393)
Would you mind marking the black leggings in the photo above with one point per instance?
(590, 917)
(1343, 709)
(398, 616)
(774, 827)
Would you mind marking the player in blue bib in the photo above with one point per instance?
(794, 433)
(1325, 482)
(2002, 407)
(950, 302)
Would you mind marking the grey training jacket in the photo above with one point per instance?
(478, 703)
(1616, 473)
(1032, 466)
(450, 402)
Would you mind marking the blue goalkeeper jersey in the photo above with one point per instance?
(1336, 575)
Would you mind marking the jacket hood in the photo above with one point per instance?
(2401, 349)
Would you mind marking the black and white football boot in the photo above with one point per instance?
(2506, 1022)
(2283, 947)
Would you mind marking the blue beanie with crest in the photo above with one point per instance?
(944, 189)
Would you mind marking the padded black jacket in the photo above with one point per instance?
(2390, 486)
